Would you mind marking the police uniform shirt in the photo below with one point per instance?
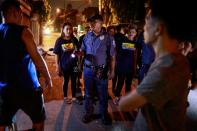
(97, 46)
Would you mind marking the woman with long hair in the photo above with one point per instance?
(66, 60)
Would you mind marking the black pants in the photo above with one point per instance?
(121, 79)
(67, 75)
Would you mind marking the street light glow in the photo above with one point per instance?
(58, 10)
(47, 31)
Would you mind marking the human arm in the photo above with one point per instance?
(152, 90)
(82, 50)
(112, 68)
(38, 60)
(57, 63)
(132, 101)
(58, 50)
(112, 53)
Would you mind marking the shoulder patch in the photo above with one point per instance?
(102, 37)
(113, 43)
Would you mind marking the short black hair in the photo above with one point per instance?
(111, 27)
(7, 4)
(95, 17)
(118, 28)
(178, 17)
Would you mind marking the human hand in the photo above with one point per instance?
(48, 84)
(111, 75)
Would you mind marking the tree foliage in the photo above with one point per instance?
(126, 10)
(42, 8)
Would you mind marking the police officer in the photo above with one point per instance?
(99, 49)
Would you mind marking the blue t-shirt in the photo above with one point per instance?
(98, 46)
(16, 68)
(65, 49)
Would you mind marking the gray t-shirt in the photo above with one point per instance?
(165, 89)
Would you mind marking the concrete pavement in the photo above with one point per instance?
(67, 117)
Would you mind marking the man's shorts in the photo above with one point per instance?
(30, 101)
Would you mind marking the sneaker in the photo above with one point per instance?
(87, 118)
(66, 98)
(106, 119)
(116, 100)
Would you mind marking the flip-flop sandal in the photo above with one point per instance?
(68, 101)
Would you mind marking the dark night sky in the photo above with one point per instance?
(77, 4)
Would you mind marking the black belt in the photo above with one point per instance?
(145, 65)
(94, 67)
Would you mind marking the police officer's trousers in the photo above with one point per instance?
(91, 82)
